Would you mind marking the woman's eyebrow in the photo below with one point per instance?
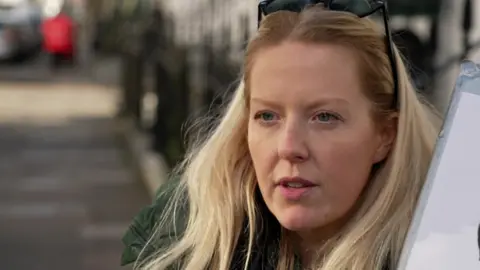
(265, 102)
(327, 101)
(311, 105)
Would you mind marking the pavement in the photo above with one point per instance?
(101, 69)
(67, 190)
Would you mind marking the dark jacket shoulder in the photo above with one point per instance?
(145, 223)
(140, 231)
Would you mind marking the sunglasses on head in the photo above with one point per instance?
(361, 8)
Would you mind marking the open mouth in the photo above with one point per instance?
(296, 185)
(295, 188)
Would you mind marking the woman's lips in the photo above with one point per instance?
(294, 194)
(294, 188)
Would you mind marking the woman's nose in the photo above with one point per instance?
(292, 145)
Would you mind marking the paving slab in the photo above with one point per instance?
(67, 190)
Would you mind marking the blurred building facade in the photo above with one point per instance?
(432, 33)
(196, 48)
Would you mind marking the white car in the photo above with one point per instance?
(9, 40)
(19, 30)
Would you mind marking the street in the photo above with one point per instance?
(67, 192)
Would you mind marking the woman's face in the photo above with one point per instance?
(310, 135)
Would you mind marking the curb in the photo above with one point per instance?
(150, 166)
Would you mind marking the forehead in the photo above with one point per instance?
(297, 71)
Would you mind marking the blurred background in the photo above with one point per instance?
(94, 95)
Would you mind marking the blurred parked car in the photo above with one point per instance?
(8, 41)
(20, 34)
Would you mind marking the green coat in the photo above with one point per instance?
(143, 225)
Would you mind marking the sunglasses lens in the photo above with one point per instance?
(353, 6)
(288, 5)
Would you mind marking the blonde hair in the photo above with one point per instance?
(219, 180)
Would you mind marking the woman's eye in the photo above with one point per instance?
(265, 116)
(325, 117)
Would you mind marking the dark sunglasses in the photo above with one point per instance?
(361, 8)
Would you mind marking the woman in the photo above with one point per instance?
(311, 166)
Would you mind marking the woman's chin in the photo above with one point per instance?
(297, 226)
(297, 220)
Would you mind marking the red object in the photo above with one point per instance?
(58, 34)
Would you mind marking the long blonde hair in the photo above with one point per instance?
(218, 177)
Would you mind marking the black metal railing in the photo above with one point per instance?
(144, 42)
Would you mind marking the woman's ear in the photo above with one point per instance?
(388, 134)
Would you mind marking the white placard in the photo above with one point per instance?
(444, 232)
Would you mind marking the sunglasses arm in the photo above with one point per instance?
(259, 15)
(391, 55)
